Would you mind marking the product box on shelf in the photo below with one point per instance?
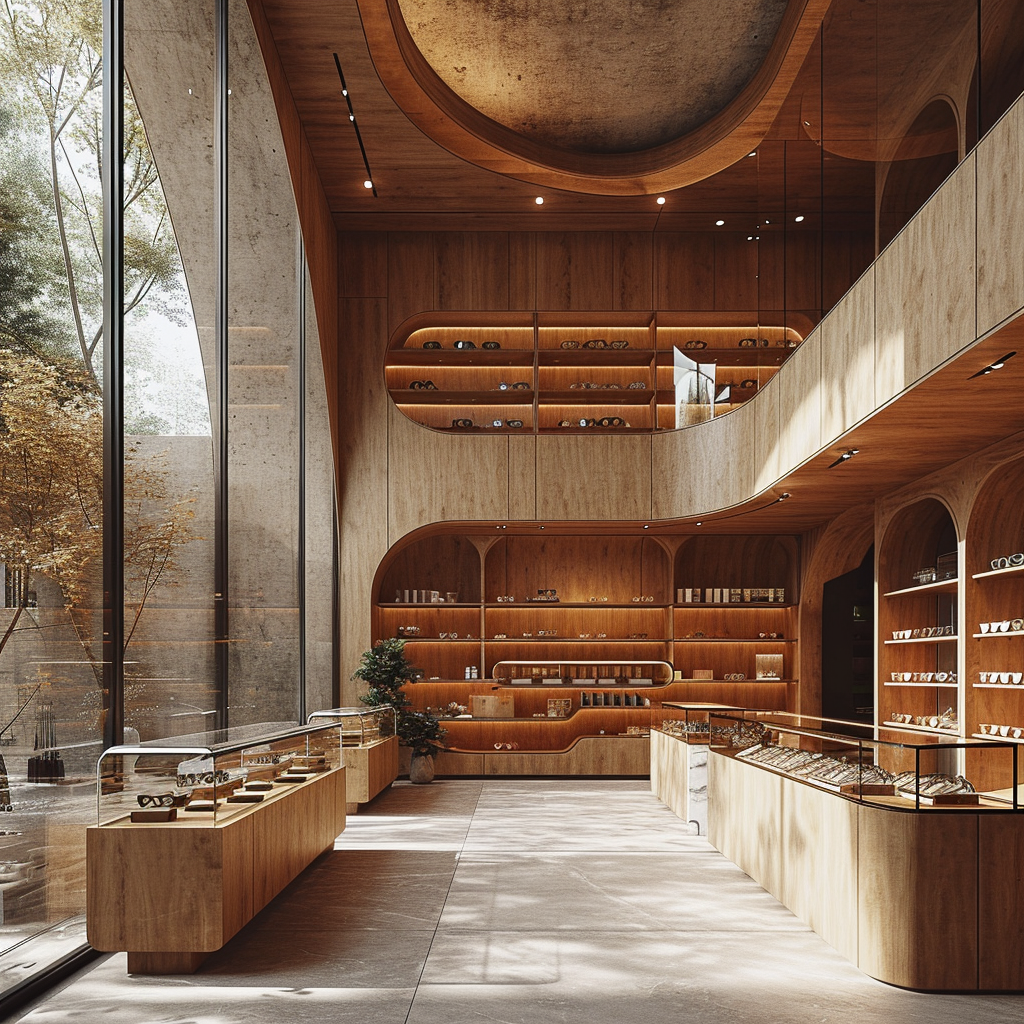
(492, 705)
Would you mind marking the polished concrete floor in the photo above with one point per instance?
(517, 902)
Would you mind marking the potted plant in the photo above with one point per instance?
(421, 732)
(386, 669)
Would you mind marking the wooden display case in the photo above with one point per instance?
(555, 373)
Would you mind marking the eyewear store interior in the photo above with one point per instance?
(677, 434)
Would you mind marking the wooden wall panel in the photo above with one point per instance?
(362, 447)
(410, 276)
(765, 411)
(633, 270)
(362, 264)
(1000, 158)
(471, 270)
(574, 270)
(925, 287)
(522, 270)
(684, 270)
(771, 275)
(522, 477)
(433, 477)
(847, 360)
(803, 269)
(736, 264)
(601, 476)
(1000, 898)
(704, 467)
(907, 936)
(800, 403)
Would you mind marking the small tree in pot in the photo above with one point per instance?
(385, 668)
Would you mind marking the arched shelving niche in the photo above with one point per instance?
(994, 593)
(917, 620)
(595, 372)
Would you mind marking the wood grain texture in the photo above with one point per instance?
(574, 270)
(362, 481)
(800, 403)
(411, 287)
(1000, 160)
(685, 270)
(925, 287)
(594, 477)
(633, 270)
(589, 755)
(670, 768)
(704, 467)
(767, 433)
(1000, 897)
(290, 833)
(432, 477)
(362, 265)
(522, 478)
(471, 270)
(908, 937)
(370, 770)
(847, 360)
(735, 271)
(522, 270)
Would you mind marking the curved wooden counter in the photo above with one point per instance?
(921, 899)
(586, 755)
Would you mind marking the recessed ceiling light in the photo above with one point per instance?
(646, 526)
(351, 117)
(719, 223)
(750, 238)
(539, 200)
(661, 200)
(699, 523)
(767, 221)
(799, 219)
(751, 154)
(344, 92)
(367, 183)
(807, 124)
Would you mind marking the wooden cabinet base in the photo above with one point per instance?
(172, 893)
(369, 770)
(165, 963)
(924, 900)
(589, 755)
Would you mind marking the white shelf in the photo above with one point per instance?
(998, 686)
(938, 587)
(999, 739)
(998, 572)
(928, 640)
(1009, 632)
(931, 686)
(922, 728)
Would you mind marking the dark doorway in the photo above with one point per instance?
(847, 644)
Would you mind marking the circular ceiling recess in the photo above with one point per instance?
(595, 76)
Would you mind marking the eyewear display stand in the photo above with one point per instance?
(196, 835)
(370, 750)
(873, 841)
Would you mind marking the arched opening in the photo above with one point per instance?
(925, 158)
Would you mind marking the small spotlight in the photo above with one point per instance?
(351, 117)
(719, 223)
(997, 365)
(750, 238)
(845, 457)
(344, 92)
(539, 200)
(783, 496)
(807, 124)
(799, 219)
(749, 154)
(661, 200)
(699, 523)
(647, 526)
(367, 183)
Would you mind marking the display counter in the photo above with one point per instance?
(369, 750)
(877, 843)
(196, 835)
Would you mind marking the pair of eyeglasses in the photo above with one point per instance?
(519, 385)
(463, 423)
(162, 799)
(595, 343)
(422, 385)
(490, 345)
(618, 344)
(604, 421)
(431, 344)
(570, 344)
(465, 344)
(514, 423)
(696, 344)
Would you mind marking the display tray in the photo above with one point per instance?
(944, 799)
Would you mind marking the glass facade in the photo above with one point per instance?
(217, 390)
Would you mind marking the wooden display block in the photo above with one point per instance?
(492, 705)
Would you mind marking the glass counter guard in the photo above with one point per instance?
(902, 769)
(209, 778)
(359, 726)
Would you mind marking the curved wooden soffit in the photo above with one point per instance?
(461, 129)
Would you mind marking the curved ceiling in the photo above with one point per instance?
(609, 98)
(595, 76)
